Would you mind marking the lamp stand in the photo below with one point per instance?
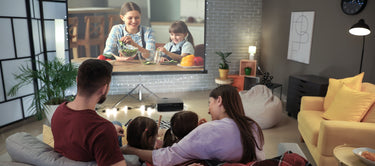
(363, 50)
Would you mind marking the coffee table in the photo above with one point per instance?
(345, 156)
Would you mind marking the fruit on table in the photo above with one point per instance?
(187, 60)
(102, 57)
(198, 61)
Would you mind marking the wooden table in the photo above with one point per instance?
(137, 66)
(345, 156)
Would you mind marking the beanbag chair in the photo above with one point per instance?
(262, 106)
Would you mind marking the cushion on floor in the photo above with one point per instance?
(262, 106)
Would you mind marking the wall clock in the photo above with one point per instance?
(352, 7)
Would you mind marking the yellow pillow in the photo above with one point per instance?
(370, 116)
(48, 136)
(349, 105)
(335, 84)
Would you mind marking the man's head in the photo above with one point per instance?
(93, 74)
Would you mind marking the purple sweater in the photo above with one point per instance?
(219, 139)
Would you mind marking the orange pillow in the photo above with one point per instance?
(349, 105)
(335, 84)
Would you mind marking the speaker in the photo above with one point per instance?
(169, 104)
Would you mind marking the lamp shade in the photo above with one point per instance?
(252, 49)
(360, 28)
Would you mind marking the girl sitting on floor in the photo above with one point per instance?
(141, 133)
(181, 124)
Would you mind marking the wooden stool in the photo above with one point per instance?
(94, 34)
(73, 35)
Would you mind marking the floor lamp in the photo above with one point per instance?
(360, 29)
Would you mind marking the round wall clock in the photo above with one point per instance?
(352, 7)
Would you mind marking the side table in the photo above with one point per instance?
(220, 81)
(276, 85)
(345, 156)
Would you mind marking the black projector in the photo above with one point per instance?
(169, 104)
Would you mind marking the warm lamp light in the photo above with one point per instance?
(60, 39)
(360, 29)
(252, 51)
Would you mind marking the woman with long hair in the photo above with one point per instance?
(229, 137)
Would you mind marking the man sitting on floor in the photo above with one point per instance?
(79, 132)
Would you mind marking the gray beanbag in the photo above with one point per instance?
(23, 147)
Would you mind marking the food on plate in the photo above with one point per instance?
(149, 63)
(198, 61)
(187, 60)
(368, 155)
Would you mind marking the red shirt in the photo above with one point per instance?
(85, 136)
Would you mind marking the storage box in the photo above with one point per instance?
(248, 63)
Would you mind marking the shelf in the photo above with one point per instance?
(248, 63)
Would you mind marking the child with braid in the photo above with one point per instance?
(141, 133)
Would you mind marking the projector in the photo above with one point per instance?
(169, 104)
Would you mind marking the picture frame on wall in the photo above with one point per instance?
(300, 36)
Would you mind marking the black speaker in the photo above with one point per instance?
(169, 104)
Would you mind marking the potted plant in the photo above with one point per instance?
(223, 66)
(54, 78)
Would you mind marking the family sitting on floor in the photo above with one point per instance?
(81, 134)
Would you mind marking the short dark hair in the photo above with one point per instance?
(129, 6)
(93, 74)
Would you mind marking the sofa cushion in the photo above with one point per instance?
(349, 105)
(335, 85)
(309, 125)
(370, 116)
(23, 147)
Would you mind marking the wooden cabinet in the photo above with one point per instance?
(303, 85)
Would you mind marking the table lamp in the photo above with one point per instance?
(360, 29)
(252, 51)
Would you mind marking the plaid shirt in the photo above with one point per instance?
(119, 31)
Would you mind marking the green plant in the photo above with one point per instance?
(224, 56)
(54, 78)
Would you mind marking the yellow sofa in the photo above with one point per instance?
(322, 136)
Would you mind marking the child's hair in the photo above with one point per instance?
(181, 27)
(141, 133)
(181, 124)
(129, 6)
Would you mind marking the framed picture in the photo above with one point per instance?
(300, 36)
